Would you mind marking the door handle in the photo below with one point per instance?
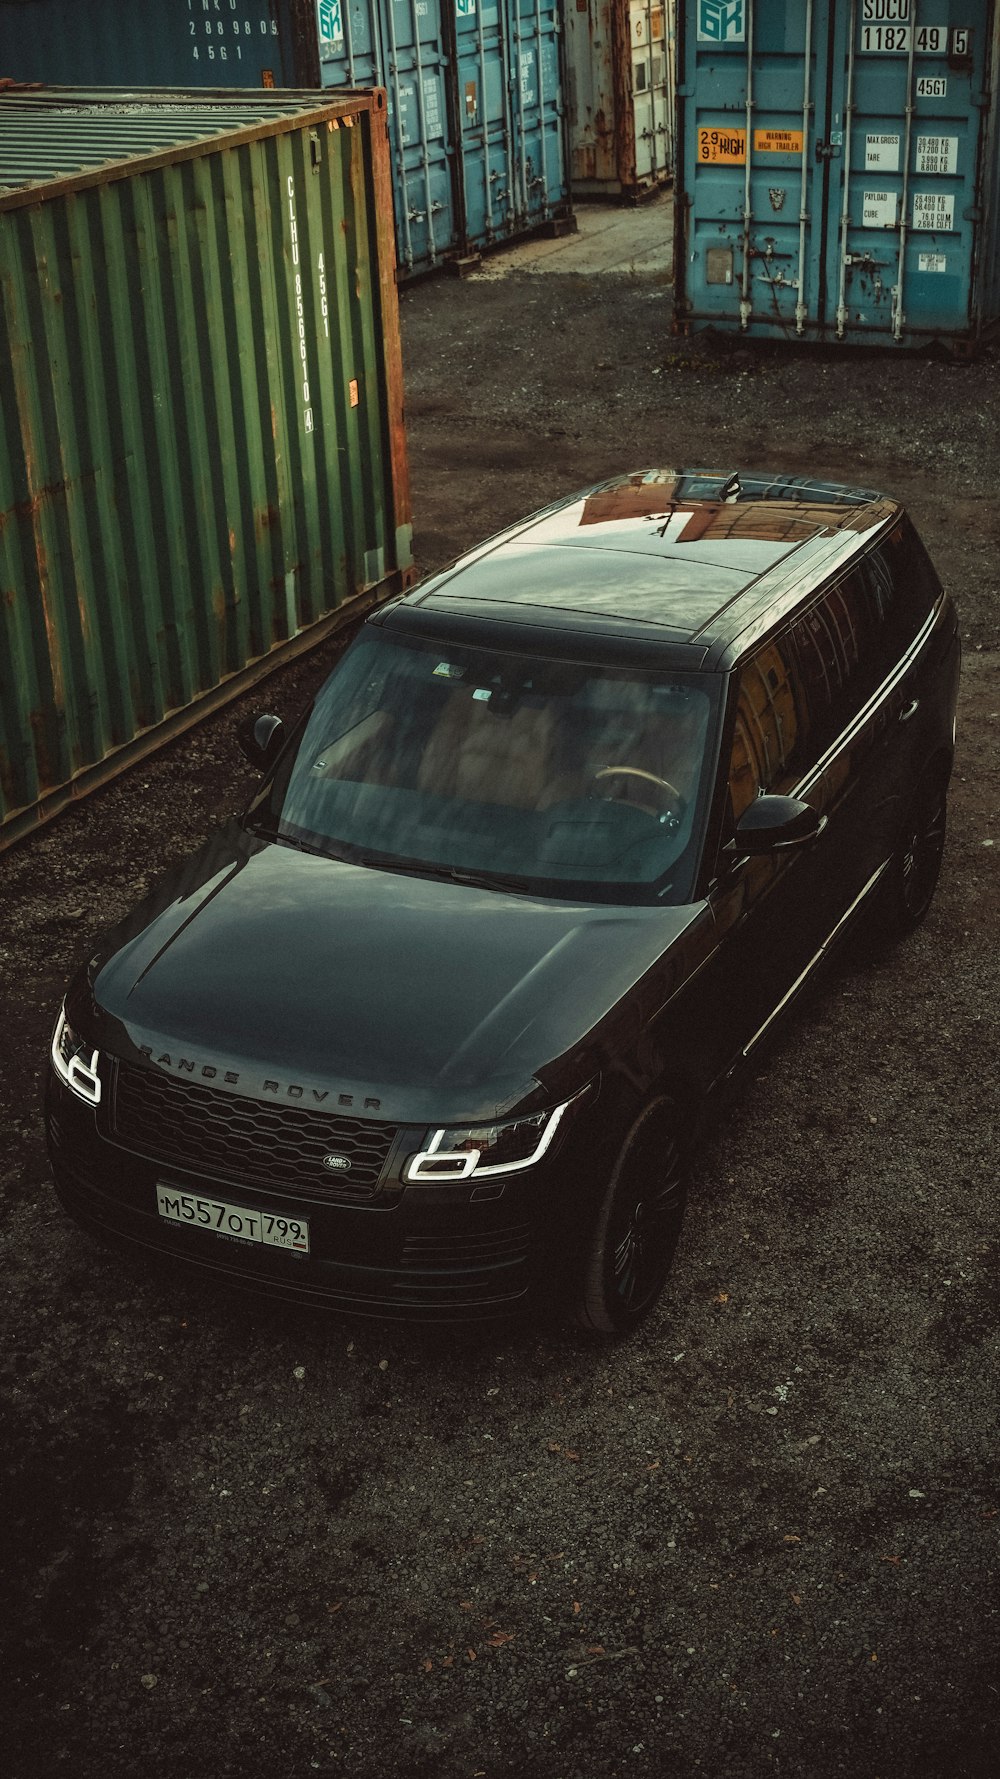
(910, 711)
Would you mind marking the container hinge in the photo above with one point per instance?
(973, 214)
(828, 151)
(315, 150)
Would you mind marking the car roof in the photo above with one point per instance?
(681, 560)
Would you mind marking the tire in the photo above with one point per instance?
(915, 866)
(636, 1230)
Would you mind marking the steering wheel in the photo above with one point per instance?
(662, 784)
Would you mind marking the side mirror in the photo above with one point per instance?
(261, 739)
(772, 824)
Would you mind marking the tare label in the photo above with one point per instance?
(937, 154)
(882, 152)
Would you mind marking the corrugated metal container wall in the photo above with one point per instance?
(201, 397)
(186, 43)
(477, 119)
(836, 174)
(476, 113)
(620, 79)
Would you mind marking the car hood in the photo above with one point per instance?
(269, 971)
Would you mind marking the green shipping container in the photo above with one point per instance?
(202, 458)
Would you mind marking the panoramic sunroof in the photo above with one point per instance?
(678, 594)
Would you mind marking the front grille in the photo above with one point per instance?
(199, 1127)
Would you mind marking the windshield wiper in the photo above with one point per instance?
(490, 880)
(444, 873)
(263, 832)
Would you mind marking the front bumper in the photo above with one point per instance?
(433, 1253)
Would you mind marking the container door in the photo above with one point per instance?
(484, 118)
(419, 74)
(589, 26)
(650, 91)
(755, 248)
(537, 162)
(836, 166)
(397, 44)
(909, 167)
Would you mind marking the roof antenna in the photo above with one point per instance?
(733, 488)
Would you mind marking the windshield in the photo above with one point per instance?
(553, 777)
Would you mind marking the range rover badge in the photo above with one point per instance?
(336, 1164)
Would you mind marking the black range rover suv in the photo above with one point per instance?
(427, 1032)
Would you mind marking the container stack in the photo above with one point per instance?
(474, 90)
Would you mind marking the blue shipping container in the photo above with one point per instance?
(476, 113)
(475, 89)
(837, 169)
(400, 46)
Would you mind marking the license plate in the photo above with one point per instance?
(235, 1221)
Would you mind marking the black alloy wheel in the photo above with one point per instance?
(916, 864)
(638, 1225)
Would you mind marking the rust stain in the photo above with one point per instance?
(264, 518)
(29, 508)
(52, 634)
(277, 581)
(44, 764)
(232, 541)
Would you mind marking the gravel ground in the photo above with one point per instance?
(759, 1538)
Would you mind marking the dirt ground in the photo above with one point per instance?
(759, 1538)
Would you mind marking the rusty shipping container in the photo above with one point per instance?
(203, 466)
(620, 82)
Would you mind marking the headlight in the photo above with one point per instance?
(483, 1149)
(75, 1062)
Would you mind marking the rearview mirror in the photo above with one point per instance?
(261, 739)
(774, 823)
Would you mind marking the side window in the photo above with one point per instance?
(903, 590)
(801, 690)
(832, 651)
(772, 741)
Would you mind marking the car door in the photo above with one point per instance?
(768, 912)
(891, 721)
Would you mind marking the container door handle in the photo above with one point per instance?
(910, 711)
